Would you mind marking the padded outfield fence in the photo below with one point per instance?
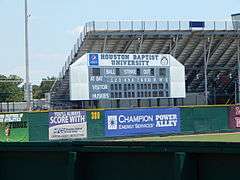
(119, 160)
(96, 124)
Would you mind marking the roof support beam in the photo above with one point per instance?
(104, 45)
(175, 39)
(140, 41)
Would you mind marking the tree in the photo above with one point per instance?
(10, 89)
(45, 87)
(35, 91)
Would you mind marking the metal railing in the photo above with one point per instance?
(155, 25)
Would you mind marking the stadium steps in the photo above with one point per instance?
(147, 46)
(61, 93)
(125, 49)
(188, 50)
(166, 47)
(192, 52)
(150, 47)
(116, 45)
(182, 41)
(220, 50)
(228, 54)
(183, 51)
(233, 60)
(133, 48)
(197, 55)
(158, 45)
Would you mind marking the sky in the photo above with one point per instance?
(54, 26)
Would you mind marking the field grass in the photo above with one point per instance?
(217, 137)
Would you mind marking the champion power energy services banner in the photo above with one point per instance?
(14, 127)
(142, 122)
(67, 125)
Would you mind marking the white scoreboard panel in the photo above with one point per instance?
(126, 76)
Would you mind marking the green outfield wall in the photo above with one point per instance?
(95, 124)
(204, 119)
(38, 123)
(34, 126)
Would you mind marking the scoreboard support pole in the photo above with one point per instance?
(158, 101)
(139, 102)
(150, 102)
(169, 102)
(175, 102)
(96, 103)
(118, 103)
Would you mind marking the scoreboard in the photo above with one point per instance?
(126, 76)
(125, 83)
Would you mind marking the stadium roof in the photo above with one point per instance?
(216, 43)
(236, 14)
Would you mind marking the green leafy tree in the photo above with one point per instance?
(45, 87)
(35, 91)
(10, 89)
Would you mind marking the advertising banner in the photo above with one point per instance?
(142, 122)
(234, 117)
(67, 125)
(14, 127)
(128, 60)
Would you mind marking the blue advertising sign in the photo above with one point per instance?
(196, 24)
(93, 60)
(142, 122)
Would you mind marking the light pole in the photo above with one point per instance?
(238, 68)
(27, 84)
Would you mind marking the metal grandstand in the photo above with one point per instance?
(210, 54)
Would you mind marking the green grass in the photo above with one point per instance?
(218, 137)
(17, 135)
